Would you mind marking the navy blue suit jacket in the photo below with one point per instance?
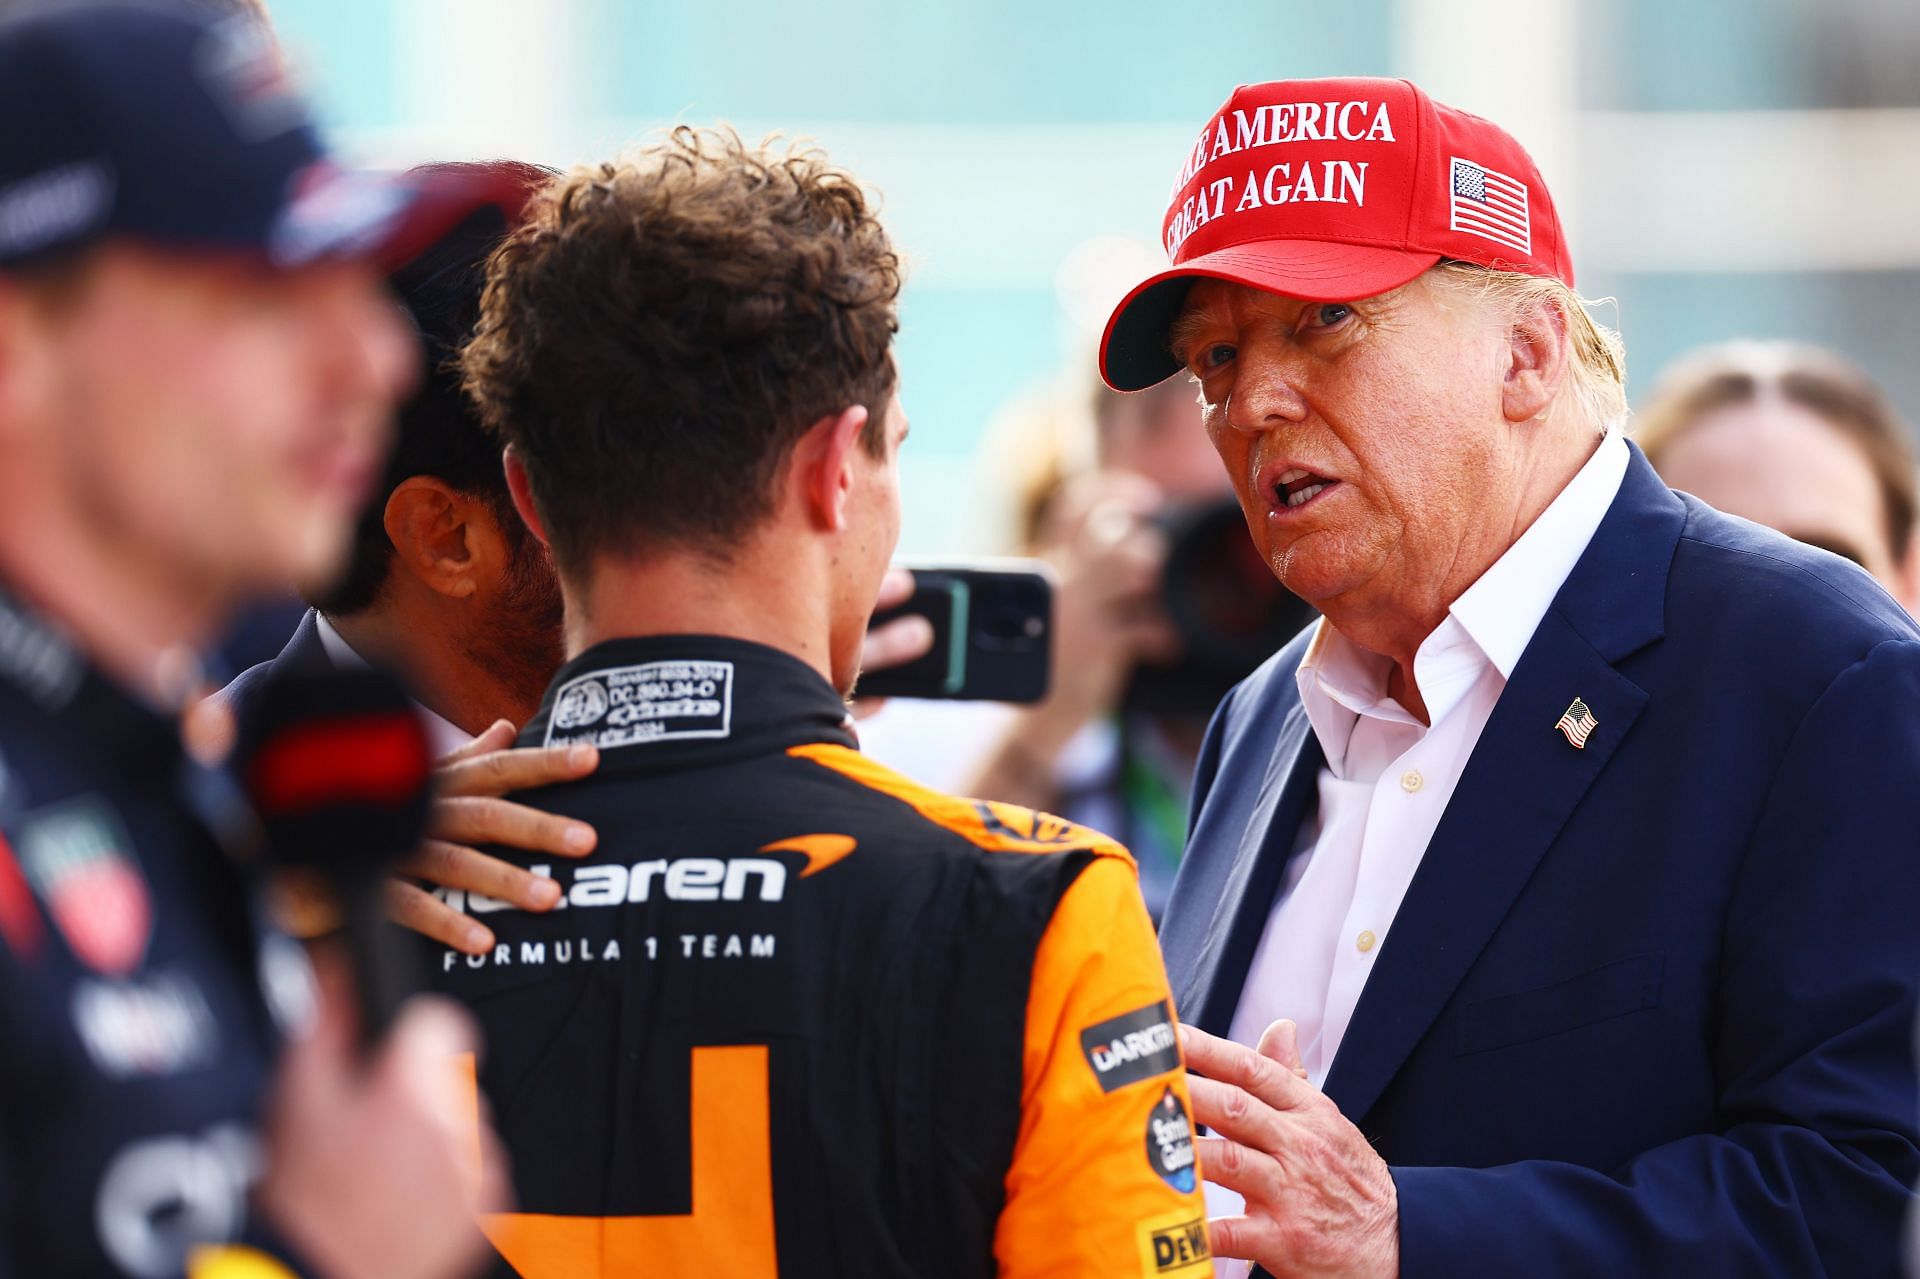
(1648, 1007)
(304, 652)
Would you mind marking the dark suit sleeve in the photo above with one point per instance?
(1813, 1040)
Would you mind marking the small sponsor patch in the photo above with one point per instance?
(76, 858)
(159, 1026)
(33, 656)
(653, 702)
(53, 206)
(1175, 1245)
(1131, 1047)
(245, 74)
(1170, 1142)
(19, 918)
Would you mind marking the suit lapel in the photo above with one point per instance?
(305, 650)
(1517, 792)
(1286, 799)
(1521, 785)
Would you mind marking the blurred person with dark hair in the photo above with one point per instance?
(446, 586)
(1549, 905)
(866, 1027)
(444, 553)
(195, 384)
(1799, 439)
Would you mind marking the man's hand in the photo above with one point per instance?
(469, 811)
(898, 642)
(369, 1160)
(1319, 1200)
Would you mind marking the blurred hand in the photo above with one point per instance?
(469, 811)
(1319, 1200)
(1108, 554)
(898, 642)
(369, 1162)
(1100, 538)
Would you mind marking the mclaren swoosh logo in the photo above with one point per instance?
(821, 851)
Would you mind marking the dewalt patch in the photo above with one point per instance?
(1175, 1245)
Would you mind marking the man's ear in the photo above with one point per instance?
(521, 489)
(23, 380)
(823, 465)
(432, 529)
(1537, 353)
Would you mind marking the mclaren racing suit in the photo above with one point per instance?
(797, 1015)
(141, 994)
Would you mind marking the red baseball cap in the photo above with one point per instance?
(1331, 190)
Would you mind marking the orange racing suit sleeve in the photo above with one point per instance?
(1104, 1180)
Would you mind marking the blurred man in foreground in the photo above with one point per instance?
(195, 383)
(1798, 439)
(1564, 874)
(862, 1027)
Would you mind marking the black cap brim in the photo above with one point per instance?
(1135, 352)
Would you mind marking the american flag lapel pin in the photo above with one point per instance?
(1577, 724)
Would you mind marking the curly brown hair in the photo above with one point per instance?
(663, 328)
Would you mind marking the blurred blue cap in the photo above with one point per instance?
(166, 125)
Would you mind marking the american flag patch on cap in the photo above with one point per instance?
(1490, 205)
(1577, 724)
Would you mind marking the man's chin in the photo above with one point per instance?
(1313, 577)
(316, 563)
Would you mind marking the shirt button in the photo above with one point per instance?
(1365, 941)
(1411, 781)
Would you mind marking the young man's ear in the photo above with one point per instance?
(1538, 348)
(521, 489)
(434, 538)
(823, 466)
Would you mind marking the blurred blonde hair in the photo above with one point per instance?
(1037, 440)
(1598, 373)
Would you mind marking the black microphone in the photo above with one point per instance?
(338, 767)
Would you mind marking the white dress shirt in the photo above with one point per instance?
(443, 735)
(1388, 778)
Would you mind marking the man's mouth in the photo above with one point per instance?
(1298, 487)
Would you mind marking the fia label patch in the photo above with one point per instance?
(653, 702)
(1175, 1245)
(1133, 1046)
(76, 857)
(1170, 1142)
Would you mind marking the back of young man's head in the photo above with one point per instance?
(664, 330)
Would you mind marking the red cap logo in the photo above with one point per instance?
(1330, 190)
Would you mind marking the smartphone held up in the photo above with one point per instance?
(993, 634)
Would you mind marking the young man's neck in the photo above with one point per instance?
(419, 636)
(753, 598)
(144, 623)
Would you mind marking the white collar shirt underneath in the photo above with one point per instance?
(443, 736)
(1388, 778)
